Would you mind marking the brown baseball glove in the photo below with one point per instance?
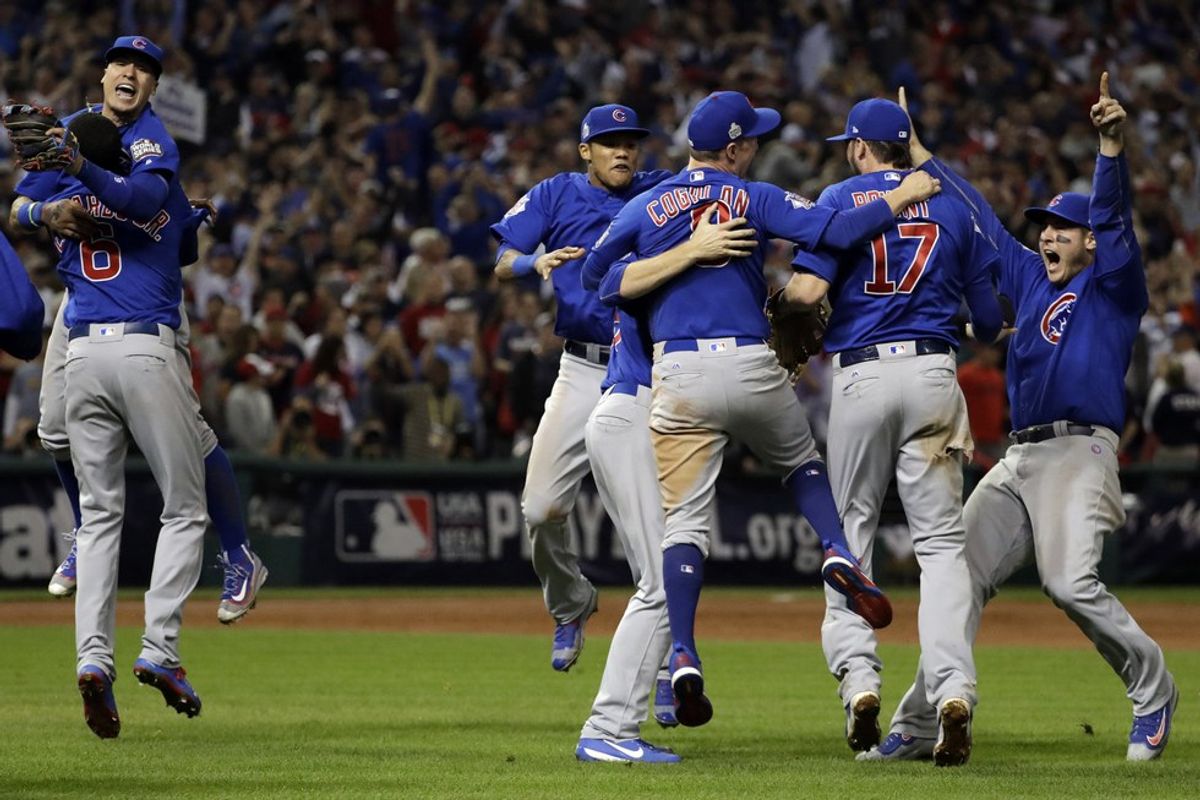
(797, 333)
(39, 141)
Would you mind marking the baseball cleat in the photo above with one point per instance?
(172, 682)
(99, 704)
(900, 747)
(243, 579)
(862, 721)
(841, 570)
(692, 707)
(634, 751)
(664, 703)
(953, 746)
(63, 581)
(568, 637)
(1150, 732)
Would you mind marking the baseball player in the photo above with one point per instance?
(121, 265)
(897, 410)
(713, 375)
(21, 307)
(1055, 495)
(566, 213)
(622, 460)
(244, 571)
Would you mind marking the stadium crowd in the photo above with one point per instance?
(357, 152)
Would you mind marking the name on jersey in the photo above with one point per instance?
(666, 207)
(1054, 321)
(916, 210)
(144, 148)
(98, 210)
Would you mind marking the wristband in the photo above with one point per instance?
(523, 265)
(31, 217)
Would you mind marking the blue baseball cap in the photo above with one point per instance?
(723, 117)
(875, 120)
(611, 118)
(139, 47)
(1070, 207)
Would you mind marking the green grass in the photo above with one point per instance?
(293, 714)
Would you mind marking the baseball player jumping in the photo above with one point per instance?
(566, 213)
(713, 375)
(244, 571)
(622, 459)
(897, 410)
(1056, 494)
(120, 262)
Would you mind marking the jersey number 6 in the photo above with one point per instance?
(879, 284)
(100, 258)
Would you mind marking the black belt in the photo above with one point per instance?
(79, 331)
(595, 353)
(924, 347)
(1040, 433)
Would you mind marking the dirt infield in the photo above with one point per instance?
(793, 617)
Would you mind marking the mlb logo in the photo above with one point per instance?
(897, 349)
(717, 347)
(696, 175)
(891, 176)
(106, 330)
(375, 526)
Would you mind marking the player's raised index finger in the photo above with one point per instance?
(1104, 84)
(903, 100)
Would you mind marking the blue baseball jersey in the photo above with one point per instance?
(708, 300)
(568, 211)
(21, 308)
(630, 359)
(908, 282)
(1074, 342)
(131, 272)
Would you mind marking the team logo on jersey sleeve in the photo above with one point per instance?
(519, 206)
(797, 201)
(142, 149)
(1054, 321)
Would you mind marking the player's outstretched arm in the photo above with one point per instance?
(710, 241)
(514, 264)
(916, 148)
(851, 227)
(21, 310)
(1108, 116)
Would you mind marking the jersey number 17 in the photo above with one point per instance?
(880, 285)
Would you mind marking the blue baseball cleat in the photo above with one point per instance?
(63, 581)
(635, 751)
(172, 682)
(900, 747)
(568, 638)
(1148, 737)
(664, 703)
(99, 704)
(692, 707)
(243, 579)
(841, 570)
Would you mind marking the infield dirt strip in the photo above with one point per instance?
(792, 617)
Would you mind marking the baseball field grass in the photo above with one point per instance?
(296, 713)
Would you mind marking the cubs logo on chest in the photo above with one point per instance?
(1054, 321)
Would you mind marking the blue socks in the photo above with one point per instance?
(70, 484)
(225, 504)
(683, 577)
(809, 484)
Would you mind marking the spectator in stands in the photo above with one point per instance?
(1176, 417)
(982, 383)
(329, 391)
(249, 414)
(533, 375)
(456, 344)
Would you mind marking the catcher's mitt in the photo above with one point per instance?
(39, 141)
(797, 333)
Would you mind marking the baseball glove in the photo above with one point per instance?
(100, 142)
(38, 138)
(797, 333)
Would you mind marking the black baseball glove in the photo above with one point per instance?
(100, 142)
(39, 140)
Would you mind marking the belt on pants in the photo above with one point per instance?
(626, 387)
(694, 345)
(80, 331)
(594, 353)
(871, 352)
(1040, 433)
